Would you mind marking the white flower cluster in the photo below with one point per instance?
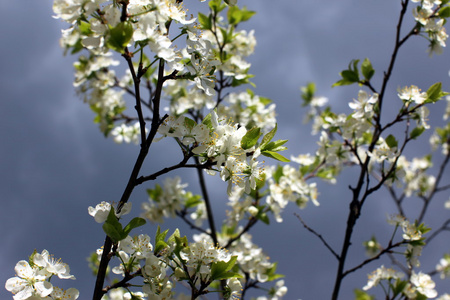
(350, 128)
(97, 26)
(170, 199)
(251, 258)
(412, 235)
(32, 280)
(249, 109)
(289, 187)
(184, 96)
(127, 134)
(253, 262)
(444, 266)
(161, 271)
(412, 176)
(417, 283)
(219, 144)
(237, 49)
(440, 138)
(95, 80)
(426, 15)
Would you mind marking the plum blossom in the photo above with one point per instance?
(382, 273)
(52, 266)
(101, 211)
(29, 281)
(363, 107)
(412, 94)
(423, 284)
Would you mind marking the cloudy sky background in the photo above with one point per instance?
(55, 163)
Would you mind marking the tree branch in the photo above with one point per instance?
(318, 235)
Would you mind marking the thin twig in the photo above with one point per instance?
(318, 235)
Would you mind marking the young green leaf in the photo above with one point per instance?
(268, 137)
(120, 36)
(361, 295)
(219, 270)
(367, 69)
(308, 92)
(416, 132)
(391, 141)
(217, 6)
(205, 21)
(237, 15)
(134, 223)
(444, 12)
(175, 234)
(113, 228)
(250, 138)
(262, 216)
(349, 76)
(434, 92)
(275, 155)
(275, 146)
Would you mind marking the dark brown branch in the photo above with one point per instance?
(318, 235)
(180, 165)
(435, 188)
(182, 215)
(444, 227)
(369, 260)
(98, 291)
(252, 221)
(205, 195)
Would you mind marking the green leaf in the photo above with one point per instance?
(113, 228)
(193, 200)
(277, 174)
(205, 21)
(444, 12)
(265, 101)
(361, 295)
(241, 81)
(160, 237)
(268, 137)
(175, 234)
(231, 2)
(275, 146)
(250, 138)
(434, 92)
(349, 76)
(219, 270)
(275, 155)
(189, 123)
(367, 69)
(134, 223)
(155, 193)
(391, 141)
(159, 246)
(120, 36)
(85, 28)
(262, 216)
(207, 121)
(236, 15)
(398, 287)
(217, 5)
(271, 273)
(180, 244)
(416, 132)
(308, 92)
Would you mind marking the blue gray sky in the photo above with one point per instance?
(55, 163)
